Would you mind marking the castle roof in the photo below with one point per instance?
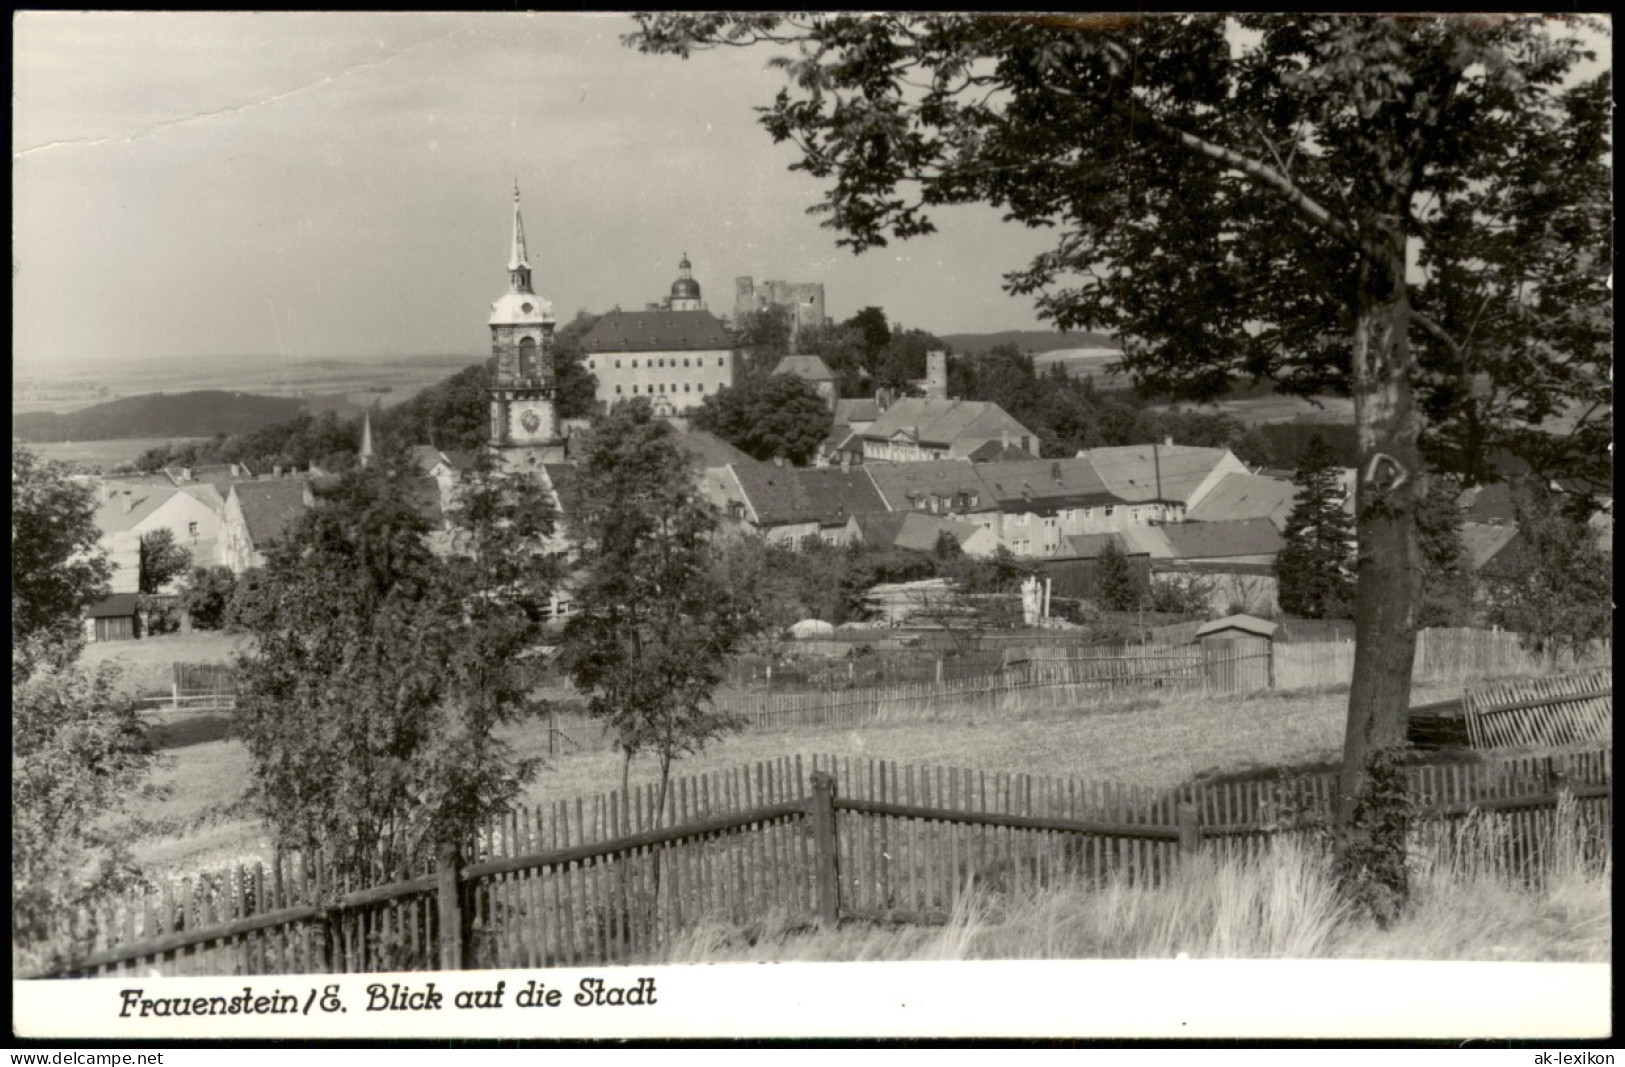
(657, 331)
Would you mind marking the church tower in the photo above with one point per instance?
(524, 423)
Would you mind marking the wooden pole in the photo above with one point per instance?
(448, 863)
(821, 807)
(1190, 835)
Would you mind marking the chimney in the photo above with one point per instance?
(1004, 439)
(129, 501)
(846, 461)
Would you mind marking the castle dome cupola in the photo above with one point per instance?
(685, 287)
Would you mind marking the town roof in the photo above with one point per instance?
(998, 452)
(1144, 473)
(206, 493)
(858, 409)
(657, 331)
(270, 507)
(709, 450)
(1483, 540)
(942, 422)
(912, 530)
(1488, 503)
(1039, 484)
(1216, 540)
(900, 484)
(1092, 546)
(112, 517)
(1246, 623)
(566, 483)
(1246, 496)
(811, 368)
(781, 495)
(116, 606)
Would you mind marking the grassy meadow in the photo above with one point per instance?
(1281, 905)
(1146, 741)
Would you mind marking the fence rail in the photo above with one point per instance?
(612, 878)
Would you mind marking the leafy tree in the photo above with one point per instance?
(873, 332)
(1301, 161)
(379, 676)
(766, 417)
(1315, 567)
(80, 757)
(841, 348)
(655, 626)
(1447, 577)
(207, 596)
(57, 566)
(575, 388)
(454, 414)
(161, 559)
(1552, 583)
(1115, 584)
(766, 335)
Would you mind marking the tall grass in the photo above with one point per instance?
(1280, 902)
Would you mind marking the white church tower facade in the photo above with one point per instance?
(524, 429)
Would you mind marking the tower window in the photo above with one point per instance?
(662, 387)
(617, 364)
(685, 387)
(685, 361)
(699, 387)
(719, 361)
(634, 364)
(618, 390)
(634, 390)
(589, 364)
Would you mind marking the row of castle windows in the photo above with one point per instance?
(660, 362)
(699, 387)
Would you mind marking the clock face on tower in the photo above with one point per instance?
(531, 420)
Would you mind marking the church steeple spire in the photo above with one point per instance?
(518, 258)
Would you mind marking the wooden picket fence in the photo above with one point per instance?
(1026, 689)
(614, 878)
(203, 686)
(1558, 709)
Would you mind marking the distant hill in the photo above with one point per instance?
(1036, 342)
(195, 414)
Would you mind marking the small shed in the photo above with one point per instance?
(114, 619)
(1240, 652)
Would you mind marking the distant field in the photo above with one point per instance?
(89, 455)
(1258, 409)
(69, 389)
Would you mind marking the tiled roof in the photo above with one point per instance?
(811, 368)
(783, 495)
(709, 450)
(1245, 623)
(1091, 546)
(1246, 496)
(918, 532)
(860, 409)
(942, 422)
(112, 517)
(657, 331)
(1217, 540)
(270, 507)
(1041, 484)
(116, 606)
(1143, 473)
(1482, 541)
(900, 484)
(998, 452)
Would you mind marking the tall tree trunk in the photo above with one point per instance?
(1390, 486)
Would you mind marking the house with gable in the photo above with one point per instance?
(812, 370)
(918, 532)
(916, 429)
(129, 510)
(257, 513)
(1162, 482)
(1246, 496)
(791, 506)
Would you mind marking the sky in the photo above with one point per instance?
(303, 186)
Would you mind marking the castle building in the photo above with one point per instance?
(803, 300)
(676, 353)
(524, 421)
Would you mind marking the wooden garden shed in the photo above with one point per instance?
(114, 619)
(1240, 652)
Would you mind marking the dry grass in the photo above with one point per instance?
(1148, 741)
(1281, 905)
(148, 664)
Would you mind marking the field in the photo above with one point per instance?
(1143, 741)
(1258, 409)
(389, 382)
(106, 455)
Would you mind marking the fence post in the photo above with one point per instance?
(1190, 834)
(447, 866)
(821, 806)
